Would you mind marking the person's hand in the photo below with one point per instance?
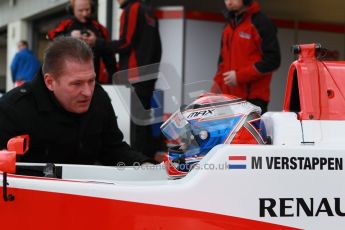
(76, 34)
(89, 38)
(230, 78)
(159, 156)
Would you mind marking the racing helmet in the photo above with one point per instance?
(210, 120)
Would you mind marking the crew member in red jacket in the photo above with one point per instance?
(249, 53)
(80, 25)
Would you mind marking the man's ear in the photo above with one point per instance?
(49, 81)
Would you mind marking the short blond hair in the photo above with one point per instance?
(72, 2)
(62, 50)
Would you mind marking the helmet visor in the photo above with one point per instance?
(178, 130)
(176, 127)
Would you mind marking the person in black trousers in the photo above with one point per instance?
(140, 51)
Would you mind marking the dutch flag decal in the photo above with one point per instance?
(237, 162)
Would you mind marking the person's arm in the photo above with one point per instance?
(7, 123)
(129, 22)
(107, 56)
(60, 30)
(14, 67)
(115, 150)
(270, 60)
(4, 137)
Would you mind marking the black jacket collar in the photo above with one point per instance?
(44, 98)
(42, 95)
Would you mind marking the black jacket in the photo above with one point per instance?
(58, 136)
(140, 42)
(140, 30)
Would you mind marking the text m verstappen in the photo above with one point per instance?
(297, 163)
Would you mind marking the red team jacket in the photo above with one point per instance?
(67, 25)
(102, 58)
(250, 47)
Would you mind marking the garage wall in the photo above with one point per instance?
(3, 65)
(202, 51)
(11, 11)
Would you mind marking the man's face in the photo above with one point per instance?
(82, 10)
(74, 87)
(234, 5)
(20, 46)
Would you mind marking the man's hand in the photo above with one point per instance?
(89, 38)
(159, 156)
(230, 78)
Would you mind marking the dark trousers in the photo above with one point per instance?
(141, 134)
(261, 103)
